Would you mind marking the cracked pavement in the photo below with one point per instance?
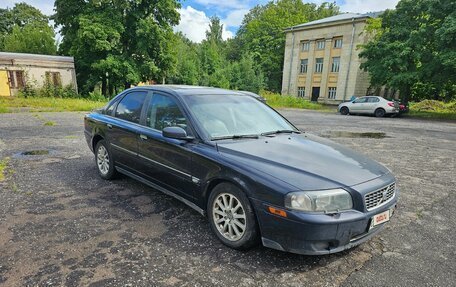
(61, 225)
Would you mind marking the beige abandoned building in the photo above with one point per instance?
(321, 59)
(18, 70)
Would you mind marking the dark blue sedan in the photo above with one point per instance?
(237, 161)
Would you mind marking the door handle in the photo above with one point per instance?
(109, 126)
(143, 137)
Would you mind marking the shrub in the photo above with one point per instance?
(280, 101)
(49, 91)
(96, 96)
(434, 106)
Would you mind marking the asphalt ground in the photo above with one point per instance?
(61, 225)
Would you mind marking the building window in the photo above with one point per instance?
(303, 67)
(335, 65)
(318, 65)
(338, 43)
(53, 78)
(301, 92)
(320, 44)
(332, 93)
(305, 46)
(16, 79)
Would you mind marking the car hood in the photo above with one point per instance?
(304, 161)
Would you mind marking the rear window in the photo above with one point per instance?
(129, 108)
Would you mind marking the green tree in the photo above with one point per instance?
(262, 33)
(118, 43)
(187, 70)
(31, 38)
(213, 64)
(413, 49)
(215, 30)
(246, 75)
(24, 18)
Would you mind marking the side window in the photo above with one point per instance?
(164, 112)
(373, 100)
(360, 100)
(111, 107)
(129, 108)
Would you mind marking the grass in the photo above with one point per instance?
(279, 101)
(49, 123)
(432, 115)
(11, 104)
(3, 165)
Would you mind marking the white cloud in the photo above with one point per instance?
(234, 18)
(194, 24)
(223, 3)
(363, 6)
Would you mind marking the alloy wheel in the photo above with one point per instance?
(229, 216)
(103, 160)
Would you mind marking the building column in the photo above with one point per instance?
(310, 69)
(326, 68)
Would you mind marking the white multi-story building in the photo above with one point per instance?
(321, 59)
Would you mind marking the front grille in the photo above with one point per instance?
(379, 197)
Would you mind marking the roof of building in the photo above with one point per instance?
(336, 18)
(34, 57)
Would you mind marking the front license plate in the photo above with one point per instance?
(380, 218)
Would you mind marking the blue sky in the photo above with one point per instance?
(195, 13)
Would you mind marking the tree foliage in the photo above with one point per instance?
(25, 29)
(413, 49)
(209, 64)
(262, 32)
(118, 43)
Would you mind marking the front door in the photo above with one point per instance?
(359, 105)
(315, 93)
(4, 84)
(166, 161)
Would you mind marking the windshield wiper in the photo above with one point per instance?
(253, 136)
(280, 132)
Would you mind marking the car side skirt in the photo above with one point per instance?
(162, 189)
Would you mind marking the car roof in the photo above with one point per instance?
(185, 90)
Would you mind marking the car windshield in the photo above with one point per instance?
(227, 116)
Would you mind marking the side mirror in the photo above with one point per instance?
(177, 133)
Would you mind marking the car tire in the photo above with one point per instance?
(344, 111)
(380, 113)
(236, 228)
(104, 161)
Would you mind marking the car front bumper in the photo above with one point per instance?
(317, 234)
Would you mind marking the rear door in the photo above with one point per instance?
(371, 105)
(166, 162)
(123, 128)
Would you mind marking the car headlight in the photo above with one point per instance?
(319, 201)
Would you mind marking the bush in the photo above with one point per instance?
(96, 96)
(49, 91)
(280, 101)
(434, 106)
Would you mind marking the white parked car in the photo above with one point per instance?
(377, 106)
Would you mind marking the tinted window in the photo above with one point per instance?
(111, 107)
(164, 112)
(130, 106)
